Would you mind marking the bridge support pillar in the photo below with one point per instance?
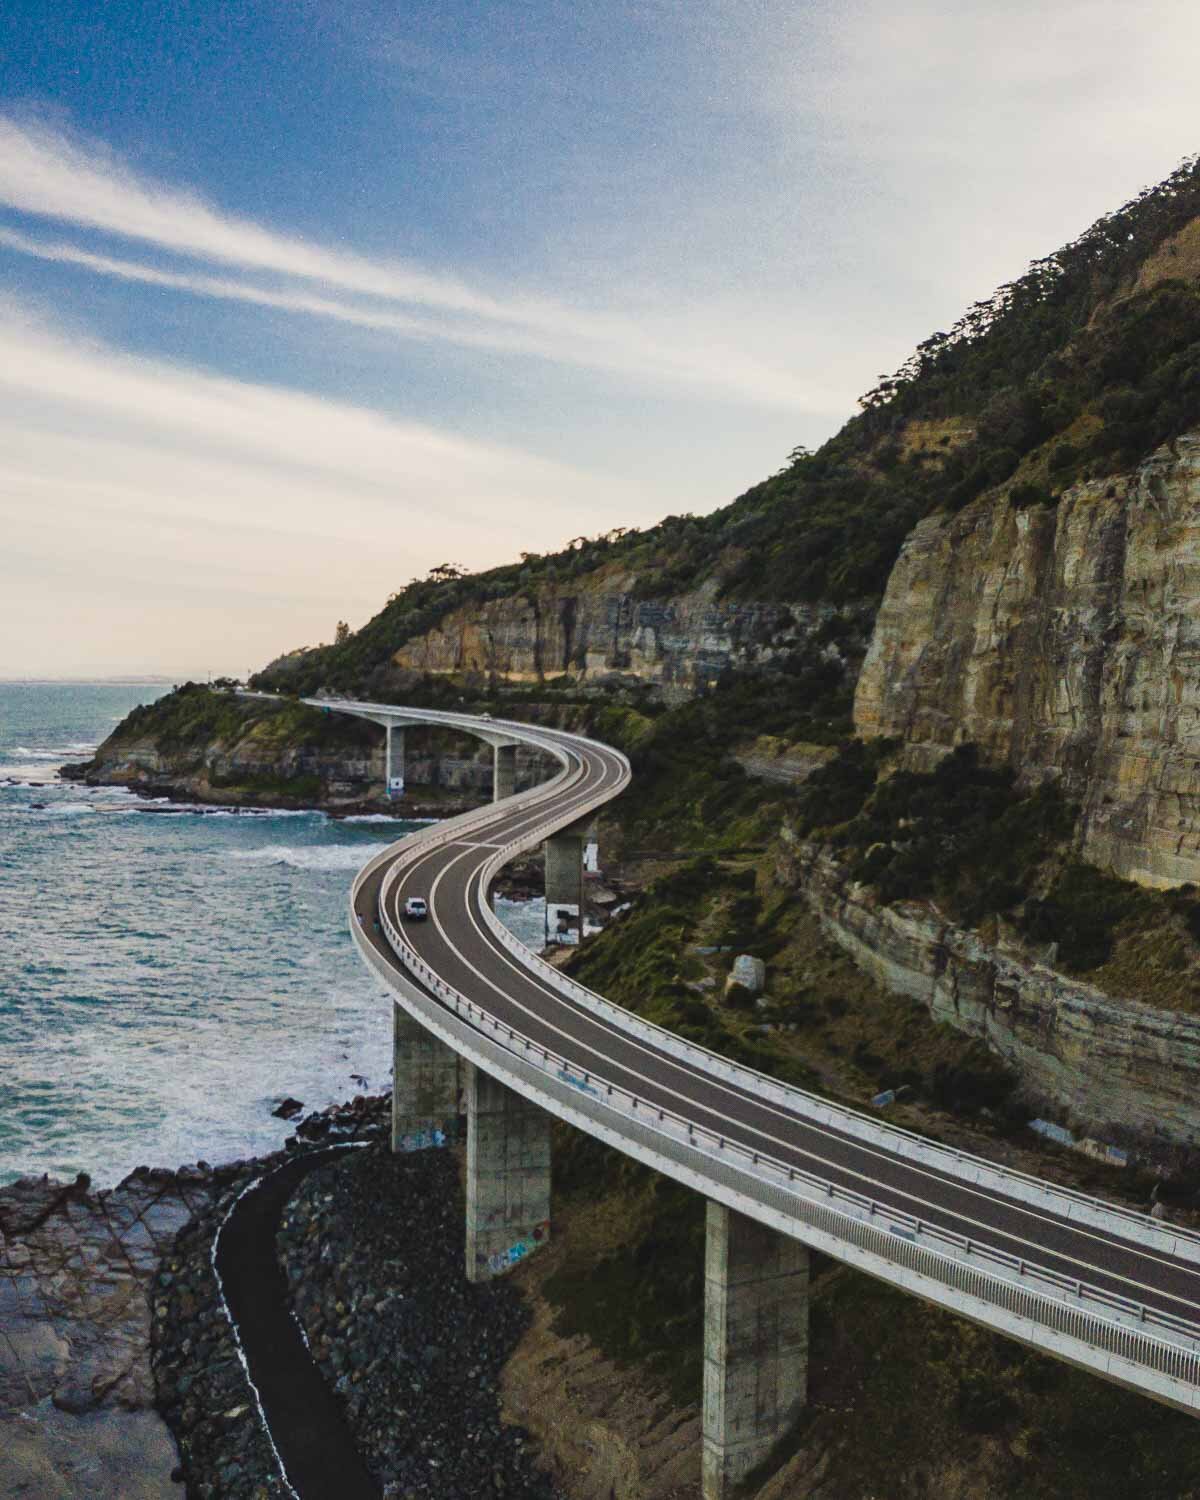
(755, 1345)
(395, 760)
(508, 1176)
(504, 771)
(566, 855)
(424, 1086)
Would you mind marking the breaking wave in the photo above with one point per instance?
(310, 857)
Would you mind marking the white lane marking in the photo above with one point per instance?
(1019, 1209)
(232, 1321)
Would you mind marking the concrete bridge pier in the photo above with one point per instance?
(424, 1086)
(755, 1345)
(565, 857)
(508, 1176)
(504, 771)
(395, 760)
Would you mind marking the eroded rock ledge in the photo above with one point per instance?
(1120, 1069)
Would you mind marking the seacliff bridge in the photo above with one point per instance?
(479, 1016)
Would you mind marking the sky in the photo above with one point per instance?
(300, 299)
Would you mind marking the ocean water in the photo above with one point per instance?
(168, 974)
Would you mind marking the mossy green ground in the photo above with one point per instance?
(188, 722)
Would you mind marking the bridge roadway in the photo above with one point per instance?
(461, 949)
(1103, 1251)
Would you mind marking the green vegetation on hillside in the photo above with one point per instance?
(822, 1026)
(193, 717)
(688, 791)
(969, 838)
(1070, 371)
(962, 835)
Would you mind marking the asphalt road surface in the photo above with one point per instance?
(460, 948)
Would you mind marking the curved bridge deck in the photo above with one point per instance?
(1102, 1287)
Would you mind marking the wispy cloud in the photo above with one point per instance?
(148, 489)
(48, 174)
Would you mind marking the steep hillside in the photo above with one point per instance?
(1078, 369)
(922, 700)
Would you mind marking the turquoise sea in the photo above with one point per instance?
(167, 974)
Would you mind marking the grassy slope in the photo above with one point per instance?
(193, 723)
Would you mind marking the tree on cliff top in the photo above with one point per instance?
(1070, 371)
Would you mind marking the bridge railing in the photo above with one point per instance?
(1123, 1327)
(1071, 1204)
(802, 1200)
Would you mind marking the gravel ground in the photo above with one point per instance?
(202, 1388)
(373, 1249)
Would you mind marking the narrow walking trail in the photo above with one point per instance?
(303, 1416)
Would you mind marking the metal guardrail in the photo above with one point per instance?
(1063, 1306)
(1069, 1203)
(801, 1200)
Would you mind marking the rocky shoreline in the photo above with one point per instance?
(372, 1247)
(112, 1325)
(201, 796)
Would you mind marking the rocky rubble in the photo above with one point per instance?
(202, 1389)
(373, 1250)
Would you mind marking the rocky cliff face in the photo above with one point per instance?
(1120, 1070)
(600, 633)
(256, 769)
(1065, 642)
(233, 771)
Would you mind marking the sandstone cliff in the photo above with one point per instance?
(602, 634)
(1066, 642)
(1120, 1070)
(284, 755)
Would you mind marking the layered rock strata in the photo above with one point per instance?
(252, 771)
(1118, 1069)
(1065, 642)
(601, 633)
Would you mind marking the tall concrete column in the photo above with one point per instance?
(504, 771)
(508, 1176)
(395, 760)
(564, 885)
(755, 1345)
(424, 1086)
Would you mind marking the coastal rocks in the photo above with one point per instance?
(372, 1247)
(444, 773)
(1064, 642)
(287, 1109)
(600, 632)
(1117, 1069)
(77, 1270)
(201, 1386)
